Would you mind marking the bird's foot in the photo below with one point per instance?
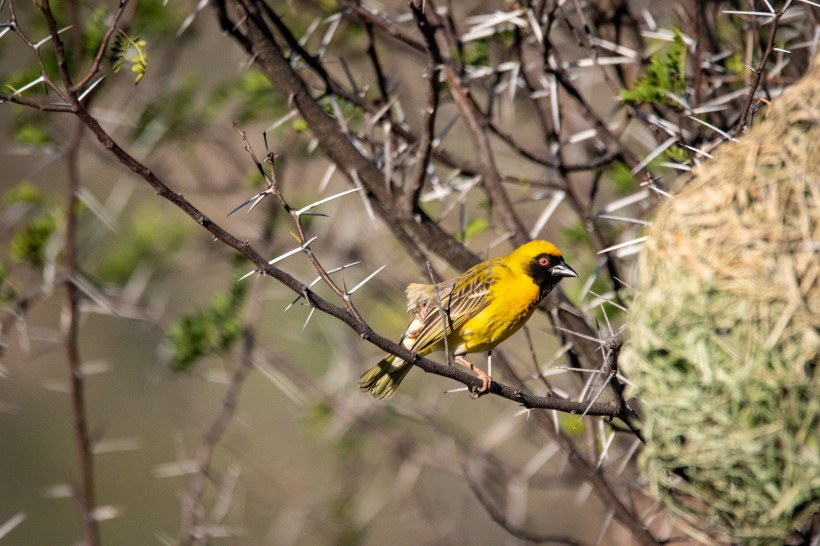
(486, 380)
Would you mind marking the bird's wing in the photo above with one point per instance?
(461, 299)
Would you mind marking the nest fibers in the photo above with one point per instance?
(725, 333)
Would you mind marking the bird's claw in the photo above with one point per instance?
(486, 381)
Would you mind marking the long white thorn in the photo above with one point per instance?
(367, 206)
(11, 523)
(28, 86)
(366, 279)
(547, 213)
(715, 129)
(323, 201)
(48, 38)
(636, 197)
(282, 257)
(326, 177)
(624, 219)
(90, 88)
(584, 336)
(654, 153)
(626, 244)
(310, 316)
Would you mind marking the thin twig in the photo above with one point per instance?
(103, 47)
(190, 531)
(478, 124)
(487, 501)
(410, 194)
(443, 314)
(86, 503)
(743, 120)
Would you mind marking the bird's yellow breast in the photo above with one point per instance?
(512, 301)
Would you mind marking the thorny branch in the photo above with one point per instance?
(297, 215)
(478, 125)
(536, 72)
(411, 194)
(743, 120)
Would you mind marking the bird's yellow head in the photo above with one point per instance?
(543, 262)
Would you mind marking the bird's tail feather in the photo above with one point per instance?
(382, 379)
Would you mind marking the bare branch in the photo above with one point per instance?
(743, 120)
(85, 495)
(190, 530)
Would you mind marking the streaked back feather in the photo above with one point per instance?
(461, 299)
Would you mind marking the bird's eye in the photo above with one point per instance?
(543, 261)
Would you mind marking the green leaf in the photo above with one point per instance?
(176, 112)
(663, 76)
(7, 292)
(150, 237)
(94, 31)
(25, 192)
(121, 50)
(474, 227)
(477, 53)
(571, 425)
(215, 328)
(253, 95)
(675, 153)
(159, 18)
(300, 125)
(31, 134)
(30, 242)
(622, 178)
(734, 65)
(35, 229)
(576, 234)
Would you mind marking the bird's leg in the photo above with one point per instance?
(486, 380)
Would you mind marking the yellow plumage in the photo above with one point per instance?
(481, 308)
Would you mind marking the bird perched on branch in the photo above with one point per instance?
(479, 309)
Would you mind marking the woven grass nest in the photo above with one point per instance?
(725, 333)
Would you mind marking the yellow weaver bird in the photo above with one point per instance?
(481, 308)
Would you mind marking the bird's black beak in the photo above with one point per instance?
(562, 270)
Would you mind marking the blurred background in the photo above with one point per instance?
(165, 323)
